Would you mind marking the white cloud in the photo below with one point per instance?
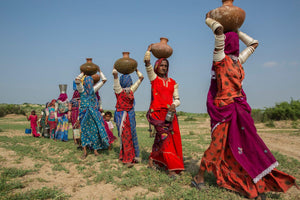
(270, 64)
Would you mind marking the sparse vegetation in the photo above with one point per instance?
(50, 161)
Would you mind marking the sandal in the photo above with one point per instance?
(198, 186)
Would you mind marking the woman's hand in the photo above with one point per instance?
(147, 63)
(115, 73)
(140, 77)
(207, 15)
(149, 47)
(172, 108)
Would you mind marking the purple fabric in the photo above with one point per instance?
(63, 97)
(247, 147)
(232, 46)
(98, 96)
(76, 94)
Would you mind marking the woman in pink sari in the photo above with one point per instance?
(33, 118)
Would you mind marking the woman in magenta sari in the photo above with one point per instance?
(237, 156)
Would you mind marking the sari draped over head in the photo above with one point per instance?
(243, 163)
(75, 101)
(125, 121)
(91, 121)
(61, 132)
(158, 62)
(167, 147)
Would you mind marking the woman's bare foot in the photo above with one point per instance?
(96, 153)
(172, 174)
(199, 178)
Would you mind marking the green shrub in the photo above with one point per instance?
(270, 124)
(11, 109)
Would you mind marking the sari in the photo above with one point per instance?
(237, 156)
(91, 121)
(125, 121)
(167, 147)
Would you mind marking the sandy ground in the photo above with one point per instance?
(75, 184)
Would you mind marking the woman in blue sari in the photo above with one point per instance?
(91, 122)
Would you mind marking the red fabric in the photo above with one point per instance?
(162, 93)
(169, 150)
(125, 101)
(127, 151)
(33, 124)
(52, 125)
(229, 79)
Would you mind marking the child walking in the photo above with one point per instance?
(109, 128)
(33, 118)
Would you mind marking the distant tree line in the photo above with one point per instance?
(11, 109)
(281, 111)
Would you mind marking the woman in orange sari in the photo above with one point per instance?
(237, 156)
(167, 147)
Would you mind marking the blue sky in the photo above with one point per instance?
(43, 44)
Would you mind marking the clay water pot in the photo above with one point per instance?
(96, 78)
(89, 68)
(162, 49)
(230, 16)
(126, 65)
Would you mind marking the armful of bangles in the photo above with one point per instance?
(135, 86)
(251, 44)
(117, 87)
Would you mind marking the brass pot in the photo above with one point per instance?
(126, 65)
(89, 68)
(231, 17)
(162, 49)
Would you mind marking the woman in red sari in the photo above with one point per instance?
(167, 148)
(125, 117)
(237, 156)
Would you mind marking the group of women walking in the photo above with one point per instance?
(237, 156)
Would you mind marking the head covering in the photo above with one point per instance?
(74, 86)
(158, 62)
(125, 81)
(232, 46)
(88, 84)
(52, 102)
(63, 97)
(76, 94)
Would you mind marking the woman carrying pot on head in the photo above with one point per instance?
(50, 118)
(167, 147)
(62, 110)
(237, 155)
(74, 116)
(125, 116)
(91, 121)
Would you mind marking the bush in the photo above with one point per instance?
(10, 109)
(283, 111)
